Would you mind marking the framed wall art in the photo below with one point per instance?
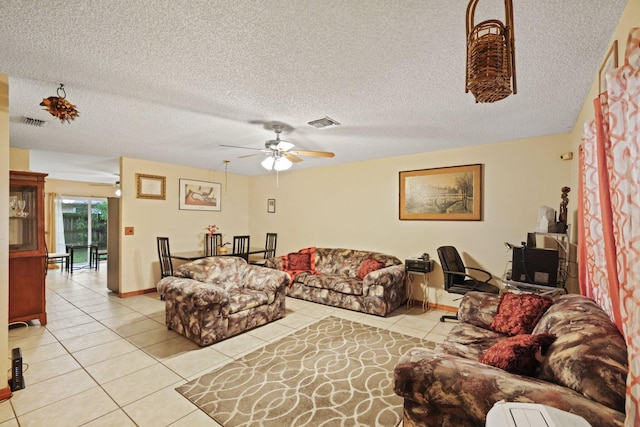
(610, 63)
(150, 186)
(450, 193)
(271, 205)
(199, 195)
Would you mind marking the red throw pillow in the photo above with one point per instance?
(299, 261)
(518, 354)
(367, 266)
(519, 313)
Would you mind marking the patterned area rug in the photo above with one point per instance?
(333, 372)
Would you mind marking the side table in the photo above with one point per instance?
(418, 266)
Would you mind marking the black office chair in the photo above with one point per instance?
(164, 254)
(270, 249)
(457, 279)
(241, 247)
(211, 244)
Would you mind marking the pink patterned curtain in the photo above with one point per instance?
(609, 223)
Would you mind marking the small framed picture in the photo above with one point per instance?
(271, 205)
(199, 195)
(610, 63)
(150, 186)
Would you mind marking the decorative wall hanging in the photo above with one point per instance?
(451, 193)
(491, 60)
(59, 107)
(150, 186)
(199, 195)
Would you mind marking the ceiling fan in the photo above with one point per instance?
(279, 154)
(116, 186)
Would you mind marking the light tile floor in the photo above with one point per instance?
(108, 361)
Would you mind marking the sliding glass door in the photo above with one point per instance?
(85, 223)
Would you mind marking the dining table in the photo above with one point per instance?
(199, 254)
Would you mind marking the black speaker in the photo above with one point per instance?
(17, 380)
(535, 265)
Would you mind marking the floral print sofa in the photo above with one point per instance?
(215, 298)
(339, 277)
(584, 370)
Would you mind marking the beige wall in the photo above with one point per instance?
(18, 159)
(356, 205)
(76, 188)
(185, 228)
(4, 224)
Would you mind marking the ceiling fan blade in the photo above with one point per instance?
(250, 155)
(285, 145)
(244, 148)
(291, 157)
(312, 153)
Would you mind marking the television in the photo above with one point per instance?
(537, 266)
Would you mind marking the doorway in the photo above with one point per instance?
(85, 223)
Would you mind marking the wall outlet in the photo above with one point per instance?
(566, 156)
(128, 231)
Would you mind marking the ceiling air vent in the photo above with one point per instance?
(323, 122)
(33, 122)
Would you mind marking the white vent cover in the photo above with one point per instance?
(33, 122)
(323, 122)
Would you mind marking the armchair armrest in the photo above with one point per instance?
(264, 279)
(199, 294)
(468, 389)
(385, 277)
(478, 308)
(274, 262)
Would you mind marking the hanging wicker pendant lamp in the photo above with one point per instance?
(491, 61)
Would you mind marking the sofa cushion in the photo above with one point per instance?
(333, 282)
(367, 266)
(348, 261)
(469, 341)
(519, 313)
(244, 299)
(299, 261)
(589, 355)
(518, 354)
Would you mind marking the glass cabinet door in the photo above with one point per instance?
(23, 218)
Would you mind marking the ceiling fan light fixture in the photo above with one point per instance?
(282, 164)
(268, 163)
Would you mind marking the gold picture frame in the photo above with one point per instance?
(449, 193)
(150, 186)
(610, 63)
(200, 195)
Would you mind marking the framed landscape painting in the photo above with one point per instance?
(199, 195)
(450, 194)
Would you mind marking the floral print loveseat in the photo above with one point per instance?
(340, 278)
(215, 298)
(584, 370)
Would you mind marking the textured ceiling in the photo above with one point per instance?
(170, 81)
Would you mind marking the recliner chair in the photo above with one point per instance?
(457, 279)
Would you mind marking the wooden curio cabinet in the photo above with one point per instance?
(27, 252)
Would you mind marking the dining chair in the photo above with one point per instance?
(241, 247)
(55, 258)
(211, 244)
(164, 254)
(270, 250)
